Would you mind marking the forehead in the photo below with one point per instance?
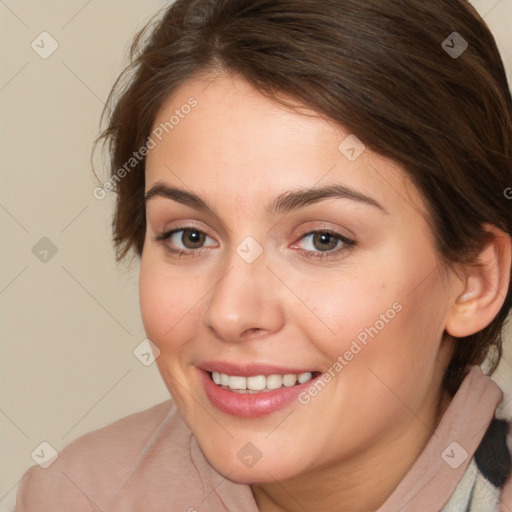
(233, 121)
(236, 141)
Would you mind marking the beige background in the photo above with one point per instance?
(70, 324)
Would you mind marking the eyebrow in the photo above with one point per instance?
(284, 203)
(295, 199)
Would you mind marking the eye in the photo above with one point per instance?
(190, 241)
(323, 243)
(189, 238)
(185, 241)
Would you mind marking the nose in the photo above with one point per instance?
(245, 302)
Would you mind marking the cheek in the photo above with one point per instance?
(347, 309)
(166, 301)
(393, 328)
(153, 301)
(383, 355)
(166, 304)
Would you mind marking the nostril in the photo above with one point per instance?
(253, 332)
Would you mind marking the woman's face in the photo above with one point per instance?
(293, 251)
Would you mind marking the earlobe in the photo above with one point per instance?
(484, 287)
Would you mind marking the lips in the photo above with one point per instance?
(254, 390)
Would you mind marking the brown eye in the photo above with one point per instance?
(324, 245)
(192, 238)
(185, 241)
(325, 241)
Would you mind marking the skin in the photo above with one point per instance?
(352, 443)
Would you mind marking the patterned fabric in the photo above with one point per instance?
(480, 487)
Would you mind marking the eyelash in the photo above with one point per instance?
(348, 244)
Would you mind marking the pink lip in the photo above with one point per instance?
(251, 405)
(248, 370)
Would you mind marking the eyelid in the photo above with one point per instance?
(323, 228)
(166, 232)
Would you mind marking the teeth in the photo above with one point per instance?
(256, 383)
(274, 381)
(260, 382)
(289, 380)
(237, 382)
(304, 377)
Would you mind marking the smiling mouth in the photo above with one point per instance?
(260, 383)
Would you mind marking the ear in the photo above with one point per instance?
(482, 290)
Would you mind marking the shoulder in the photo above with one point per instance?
(504, 414)
(121, 441)
(506, 493)
(91, 468)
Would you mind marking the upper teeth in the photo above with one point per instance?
(260, 382)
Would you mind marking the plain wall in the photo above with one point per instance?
(70, 324)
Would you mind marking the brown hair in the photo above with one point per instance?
(378, 68)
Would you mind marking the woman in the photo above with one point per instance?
(317, 192)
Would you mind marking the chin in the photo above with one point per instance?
(244, 468)
(259, 474)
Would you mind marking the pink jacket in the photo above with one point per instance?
(150, 462)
